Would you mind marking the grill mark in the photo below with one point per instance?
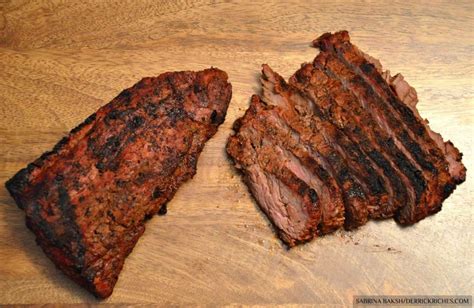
(351, 191)
(417, 152)
(350, 54)
(349, 111)
(351, 151)
(359, 87)
(356, 202)
(370, 96)
(410, 170)
(414, 175)
(283, 138)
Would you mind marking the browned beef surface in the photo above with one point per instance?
(88, 199)
(351, 132)
(409, 133)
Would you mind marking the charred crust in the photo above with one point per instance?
(372, 178)
(17, 184)
(89, 120)
(105, 153)
(214, 117)
(151, 109)
(367, 68)
(198, 88)
(163, 210)
(100, 166)
(57, 147)
(176, 114)
(355, 191)
(415, 149)
(136, 122)
(72, 238)
(313, 196)
(448, 190)
(113, 115)
(125, 96)
(120, 183)
(380, 160)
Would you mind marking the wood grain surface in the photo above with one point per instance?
(61, 60)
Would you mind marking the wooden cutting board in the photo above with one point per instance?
(61, 60)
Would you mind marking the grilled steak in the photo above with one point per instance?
(350, 134)
(439, 163)
(88, 199)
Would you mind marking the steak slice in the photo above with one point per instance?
(410, 133)
(345, 111)
(328, 141)
(291, 204)
(88, 199)
(407, 94)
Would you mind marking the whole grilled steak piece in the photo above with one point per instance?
(88, 199)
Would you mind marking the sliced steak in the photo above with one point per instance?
(88, 199)
(351, 133)
(407, 94)
(411, 133)
(342, 109)
(291, 204)
(327, 140)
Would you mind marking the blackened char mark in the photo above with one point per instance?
(157, 192)
(313, 196)
(163, 210)
(350, 54)
(90, 119)
(125, 97)
(415, 175)
(432, 154)
(345, 110)
(408, 166)
(306, 163)
(333, 150)
(415, 149)
(214, 118)
(72, 237)
(305, 118)
(339, 44)
(136, 122)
